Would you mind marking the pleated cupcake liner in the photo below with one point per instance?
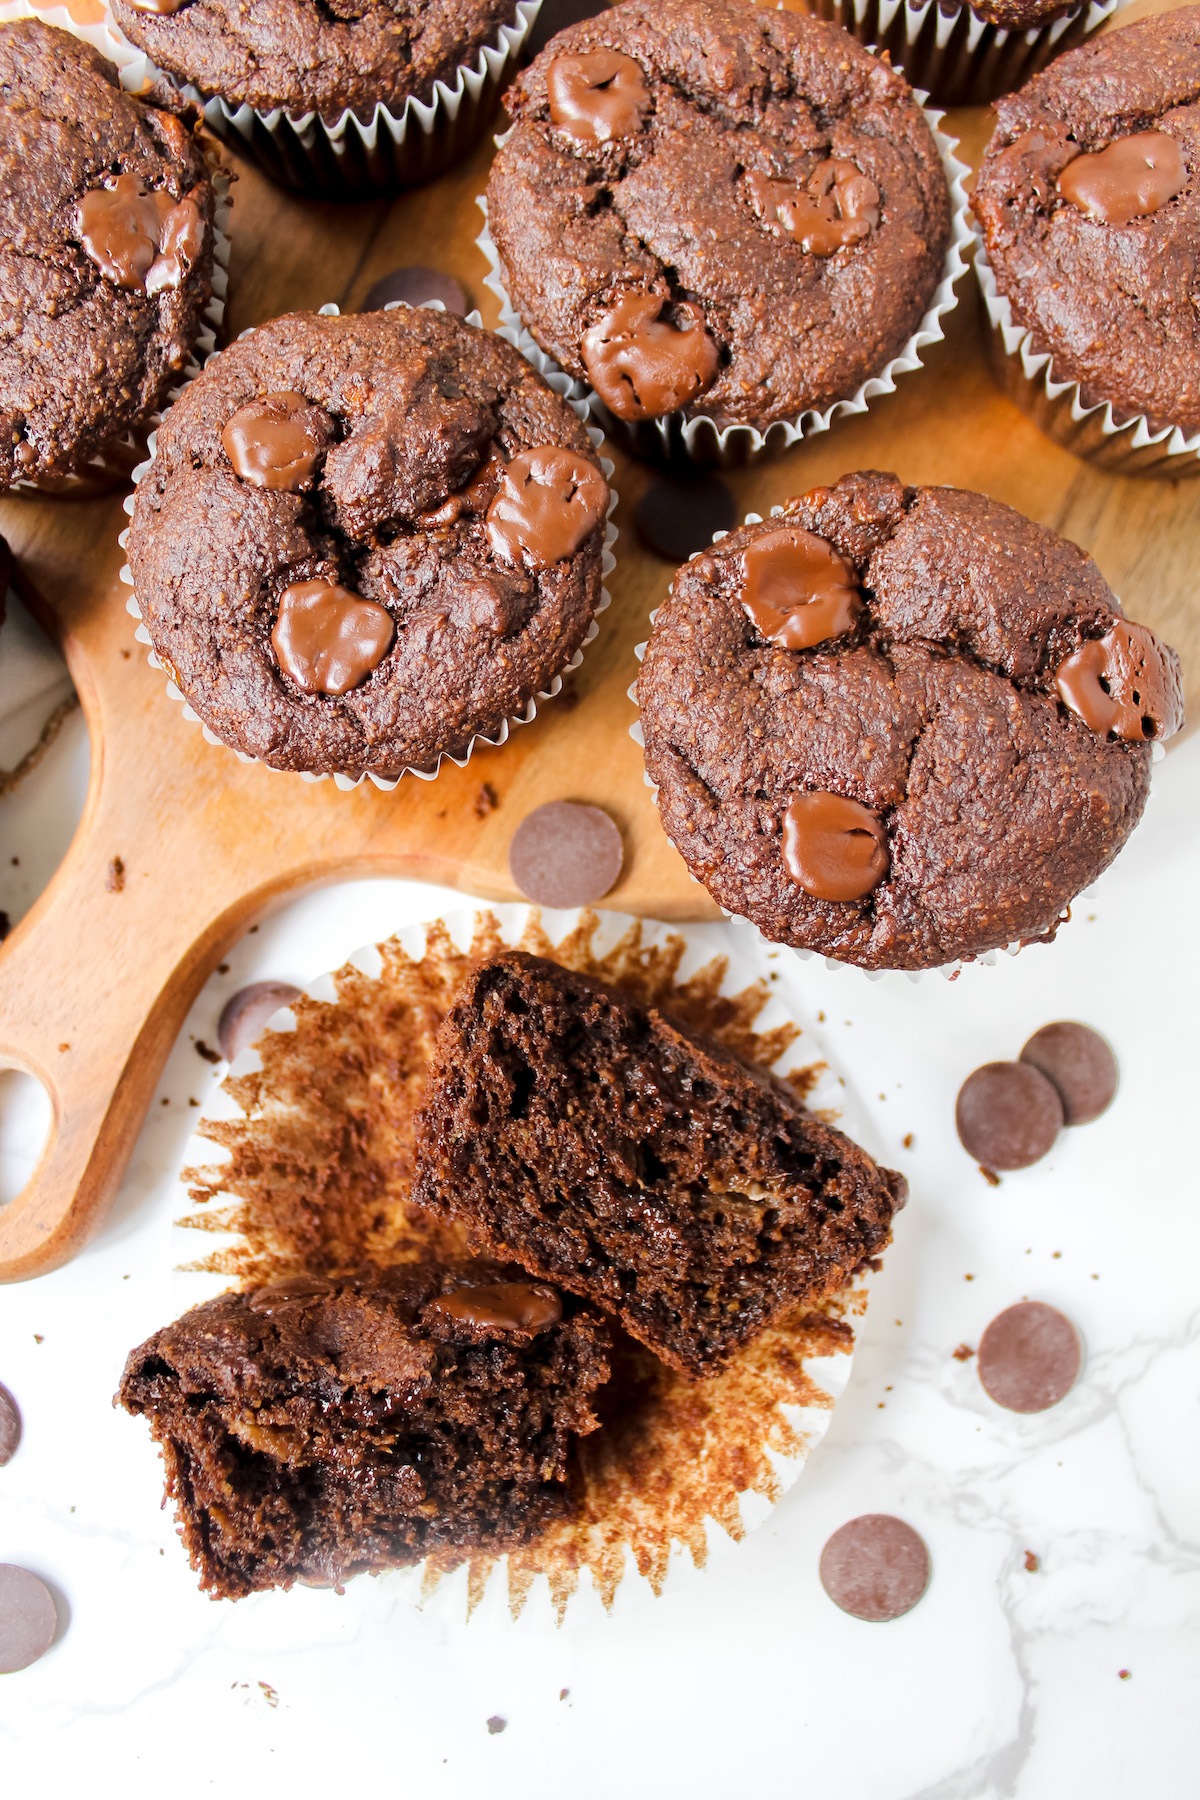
(460, 756)
(625, 1546)
(1119, 444)
(699, 440)
(948, 971)
(961, 59)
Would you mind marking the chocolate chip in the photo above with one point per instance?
(415, 286)
(1008, 1115)
(1029, 1357)
(246, 1013)
(28, 1620)
(10, 1427)
(875, 1567)
(677, 517)
(1080, 1064)
(500, 1306)
(563, 854)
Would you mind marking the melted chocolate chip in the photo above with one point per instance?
(1008, 1115)
(142, 242)
(415, 286)
(245, 1014)
(548, 501)
(275, 442)
(563, 854)
(596, 96)
(675, 517)
(328, 639)
(641, 366)
(1029, 1357)
(838, 205)
(1126, 682)
(10, 1427)
(1132, 177)
(797, 589)
(475, 497)
(28, 1620)
(1080, 1064)
(278, 1296)
(833, 847)
(875, 1567)
(500, 1306)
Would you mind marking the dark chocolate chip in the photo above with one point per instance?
(1080, 1064)
(563, 854)
(1029, 1357)
(677, 517)
(1008, 1115)
(415, 287)
(245, 1014)
(10, 1427)
(875, 1567)
(28, 1620)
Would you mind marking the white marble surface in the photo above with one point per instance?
(745, 1680)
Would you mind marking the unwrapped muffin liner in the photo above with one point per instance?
(459, 756)
(686, 1472)
(698, 439)
(960, 58)
(1120, 445)
(114, 466)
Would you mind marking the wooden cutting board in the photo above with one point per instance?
(97, 979)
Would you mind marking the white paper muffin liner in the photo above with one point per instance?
(789, 1433)
(698, 439)
(461, 756)
(961, 59)
(1121, 445)
(948, 971)
(114, 467)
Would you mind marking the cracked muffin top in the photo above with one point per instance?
(900, 726)
(313, 55)
(1089, 200)
(730, 212)
(106, 253)
(364, 541)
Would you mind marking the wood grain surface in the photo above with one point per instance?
(96, 981)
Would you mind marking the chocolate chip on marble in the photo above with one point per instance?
(875, 1567)
(1080, 1064)
(1029, 1357)
(1008, 1115)
(676, 517)
(563, 854)
(10, 1426)
(415, 286)
(245, 1014)
(28, 1620)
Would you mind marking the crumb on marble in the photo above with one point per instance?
(964, 1353)
(1031, 1562)
(968, 1278)
(907, 1140)
(990, 1176)
(496, 1724)
(269, 1693)
(1124, 1674)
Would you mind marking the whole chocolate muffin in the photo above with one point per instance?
(1089, 200)
(364, 541)
(900, 726)
(306, 56)
(733, 212)
(106, 254)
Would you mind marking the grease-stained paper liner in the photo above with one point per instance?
(961, 59)
(949, 971)
(699, 440)
(1121, 445)
(114, 466)
(462, 755)
(304, 1154)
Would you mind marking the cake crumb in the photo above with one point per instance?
(563, 1692)
(1031, 1562)
(269, 1693)
(114, 881)
(907, 1140)
(1124, 1674)
(63, 1047)
(496, 1724)
(990, 1176)
(964, 1353)
(820, 1018)
(165, 1101)
(1056, 1254)
(38, 1338)
(968, 1278)
(222, 968)
(210, 1055)
(486, 800)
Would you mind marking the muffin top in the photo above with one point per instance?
(313, 55)
(106, 253)
(364, 540)
(735, 212)
(1089, 199)
(900, 725)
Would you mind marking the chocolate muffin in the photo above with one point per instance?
(900, 726)
(316, 1428)
(306, 56)
(609, 1150)
(1089, 202)
(716, 210)
(363, 541)
(106, 255)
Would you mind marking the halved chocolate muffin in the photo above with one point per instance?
(900, 726)
(316, 1428)
(363, 541)
(605, 1148)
